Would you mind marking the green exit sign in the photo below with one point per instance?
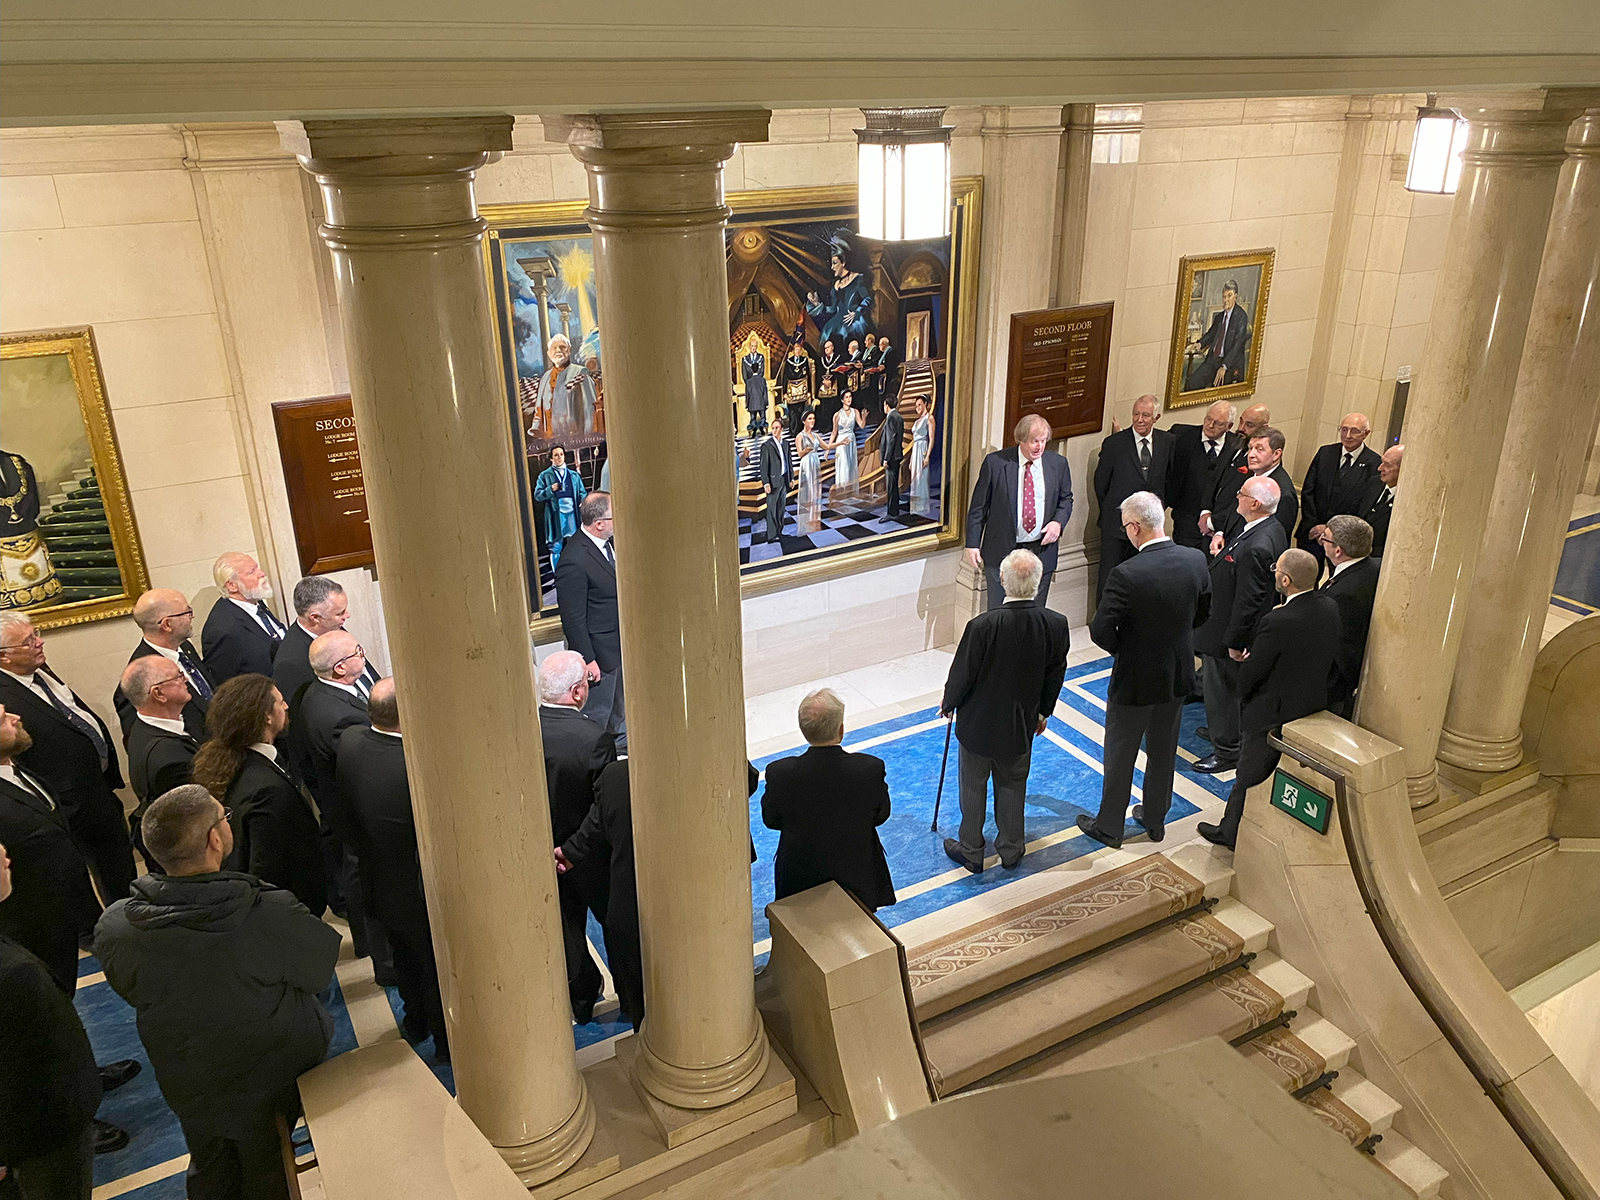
(1305, 804)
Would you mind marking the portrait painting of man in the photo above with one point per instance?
(1217, 328)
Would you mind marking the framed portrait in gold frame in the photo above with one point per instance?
(1218, 326)
(69, 546)
(804, 294)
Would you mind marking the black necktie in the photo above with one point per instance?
(269, 622)
(1144, 457)
(1345, 465)
(86, 728)
(611, 554)
(1211, 453)
(191, 668)
(29, 785)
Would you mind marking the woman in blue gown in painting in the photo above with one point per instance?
(843, 314)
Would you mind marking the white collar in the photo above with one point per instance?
(1349, 562)
(267, 751)
(166, 723)
(1249, 525)
(24, 680)
(344, 687)
(562, 707)
(1022, 460)
(1291, 596)
(1155, 541)
(394, 733)
(249, 606)
(1020, 599)
(308, 632)
(169, 655)
(600, 543)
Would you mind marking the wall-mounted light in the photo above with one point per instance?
(1436, 147)
(903, 174)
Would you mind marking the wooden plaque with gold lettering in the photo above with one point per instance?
(322, 469)
(1058, 367)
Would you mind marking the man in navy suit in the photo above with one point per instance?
(1022, 500)
(1263, 458)
(166, 619)
(1347, 546)
(1131, 460)
(1336, 481)
(586, 591)
(1226, 344)
(775, 481)
(241, 634)
(1200, 453)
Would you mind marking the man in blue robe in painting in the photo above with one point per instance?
(843, 314)
(560, 489)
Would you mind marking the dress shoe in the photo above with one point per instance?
(1212, 765)
(114, 1075)
(108, 1139)
(583, 1013)
(1203, 731)
(1013, 864)
(1213, 834)
(414, 1029)
(1086, 825)
(953, 851)
(1157, 834)
(441, 1052)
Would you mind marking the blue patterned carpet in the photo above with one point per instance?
(1577, 587)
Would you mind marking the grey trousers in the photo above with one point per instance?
(1127, 725)
(1222, 705)
(1010, 793)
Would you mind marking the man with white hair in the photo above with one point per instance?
(1377, 505)
(1200, 453)
(576, 749)
(1335, 481)
(1241, 593)
(826, 805)
(1137, 459)
(166, 619)
(1003, 686)
(241, 634)
(1023, 497)
(1146, 619)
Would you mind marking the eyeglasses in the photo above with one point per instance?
(188, 612)
(227, 815)
(178, 678)
(1348, 431)
(33, 639)
(360, 653)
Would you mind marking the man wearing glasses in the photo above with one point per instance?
(586, 590)
(161, 749)
(166, 620)
(1335, 482)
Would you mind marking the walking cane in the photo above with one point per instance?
(939, 795)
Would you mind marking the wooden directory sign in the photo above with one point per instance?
(1058, 367)
(327, 497)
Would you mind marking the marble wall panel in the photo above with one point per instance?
(29, 202)
(125, 197)
(81, 276)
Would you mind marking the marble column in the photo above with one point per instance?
(1554, 407)
(1455, 424)
(436, 454)
(656, 208)
(1077, 153)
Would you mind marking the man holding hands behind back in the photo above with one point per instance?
(1023, 499)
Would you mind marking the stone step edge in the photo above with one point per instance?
(1417, 1173)
(1333, 1044)
(1376, 1107)
(1253, 928)
(1292, 985)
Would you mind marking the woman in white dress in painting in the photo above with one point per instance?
(846, 421)
(921, 450)
(808, 449)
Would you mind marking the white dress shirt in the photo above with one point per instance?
(34, 680)
(1155, 541)
(599, 544)
(1024, 534)
(166, 723)
(14, 777)
(348, 687)
(267, 751)
(249, 606)
(172, 656)
(1347, 563)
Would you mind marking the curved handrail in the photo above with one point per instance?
(1538, 1098)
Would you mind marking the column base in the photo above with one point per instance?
(1423, 790)
(701, 1087)
(542, 1160)
(1480, 754)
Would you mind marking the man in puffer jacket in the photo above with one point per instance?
(224, 972)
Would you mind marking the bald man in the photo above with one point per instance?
(1137, 459)
(1377, 505)
(166, 619)
(1336, 481)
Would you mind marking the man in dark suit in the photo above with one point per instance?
(241, 634)
(1263, 459)
(1002, 687)
(71, 753)
(605, 841)
(1023, 498)
(374, 811)
(1152, 604)
(586, 590)
(160, 748)
(883, 373)
(166, 620)
(1336, 481)
(1283, 677)
(1241, 592)
(775, 482)
(576, 749)
(1377, 503)
(1226, 343)
(1200, 453)
(827, 805)
(892, 445)
(1131, 460)
(1347, 545)
(866, 397)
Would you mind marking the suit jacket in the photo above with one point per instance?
(1326, 493)
(1235, 352)
(1353, 589)
(774, 467)
(235, 643)
(1007, 674)
(892, 441)
(1375, 507)
(158, 761)
(1193, 480)
(374, 816)
(1224, 503)
(64, 759)
(1117, 476)
(604, 843)
(992, 516)
(1241, 588)
(291, 671)
(194, 712)
(53, 898)
(1147, 616)
(275, 833)
(827, 805)
(576, 749)
(326, 712)
(1286, 676)
(586, 590)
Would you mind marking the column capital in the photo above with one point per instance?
(380, 140)
(1023, 120)
(690, 136)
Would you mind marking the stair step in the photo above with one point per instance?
(1252, 928)
(1003, 1028)
(1211, 865)
(1324, 1037)
(1038, 935)
(1489, 834)
(1417, 1173)
(1283, 979)
(1285, 1058)
(1377, 1107)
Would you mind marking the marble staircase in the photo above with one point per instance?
(1153, 954)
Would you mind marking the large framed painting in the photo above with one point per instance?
(1218, 326)
(69, 548)
(828, 335)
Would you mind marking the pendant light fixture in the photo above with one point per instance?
(903, 174)
(1436, 147)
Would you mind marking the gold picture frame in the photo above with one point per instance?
(1211, 359)
(565, 219)
(53, 411)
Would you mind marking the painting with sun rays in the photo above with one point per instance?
(848, 359)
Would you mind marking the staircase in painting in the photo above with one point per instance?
(77, 534)
(1149, 955)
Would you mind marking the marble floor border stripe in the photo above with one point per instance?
(139, 1179)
